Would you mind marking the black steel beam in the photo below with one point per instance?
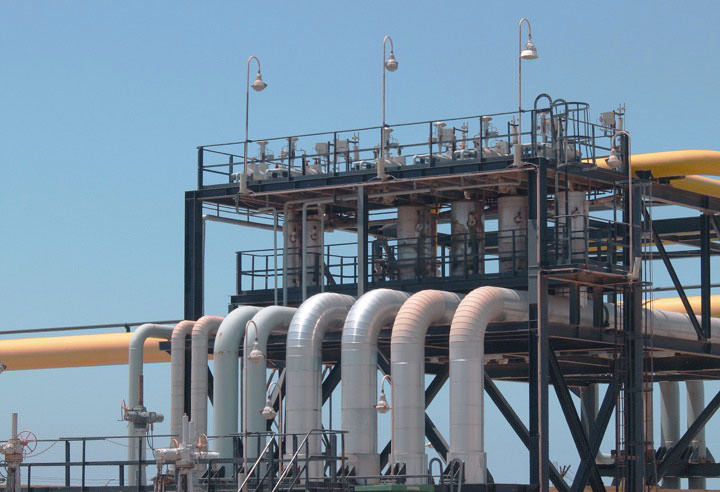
(674, 277)
(362, 235)
(573, 422)
(517, 425)
(705, 275)
(597, 432)
(194, 286)
(331, 381)
(679, 448)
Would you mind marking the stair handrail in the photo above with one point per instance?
(292, 460)
(257, 462)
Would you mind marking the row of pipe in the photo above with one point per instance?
(361, 322)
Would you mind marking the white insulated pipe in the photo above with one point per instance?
(317, 315)
(407, 356)
(177, 376)
(226, 350)
(203, 329)
(136, 448)
(670, 423)
(272, 319)
(695, 405)
(371, 312)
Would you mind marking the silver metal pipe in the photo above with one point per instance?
(669, 423)
(372, 312)
(136, 445)
(203, 329)
(177, 376)
(407, 355)
(226, 350)
(695, 405)
(319, 314)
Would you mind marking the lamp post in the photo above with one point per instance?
(529, 53)
(382, 406)
(389, 64)
(255, 355)
(257, 85)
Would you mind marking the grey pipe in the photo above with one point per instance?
(670, 423)
(272, 319)
(695, 405)
(319, 314)
(203, 329)
(135, 369)
(407, 355)
(371, 312)
(225, 378)
(177, 376)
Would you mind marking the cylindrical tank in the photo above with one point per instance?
(292, 237)
(467, 238)
(572, 214)
(416, 232)
(313, 238)
(512, 232)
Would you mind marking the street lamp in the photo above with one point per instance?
(382, 404)
(390, 64)
(257, 85)
(268, 412)
(528, 53)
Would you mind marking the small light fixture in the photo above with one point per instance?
(382, 405)
(258, 84)
(530, 51)
(256, 356)
(613, 161)
(268, 412)
(391, 64)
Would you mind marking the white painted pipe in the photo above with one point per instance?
(372, 312)
(225, 377)
(135, 370)
(670, 423)
(695, 405)
(407, 356)
(203, 329)
(317, 315)
(177, 376)
(272, 319)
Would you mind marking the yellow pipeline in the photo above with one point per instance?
(675, 305)
(74, 351)
(684, 166)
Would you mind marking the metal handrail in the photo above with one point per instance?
(292, 460)
(257, 462)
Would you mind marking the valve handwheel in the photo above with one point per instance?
(29, 441)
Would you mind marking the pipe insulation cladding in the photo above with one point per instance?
(303, 403)
(407, 357)
(226, 350)
(177, 376)
(203, 329)
(371, 313)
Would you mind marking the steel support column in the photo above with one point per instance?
(705, 275)
(362, 234)
(538, 345)
(194, 275)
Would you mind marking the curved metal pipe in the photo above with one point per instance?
(366, 318)
(320, 313)
(407, 355)
(669, 423)
(135, 373)
(695, 405)
(177, 376)
(272, 319)
(203, 329)
(225, 378)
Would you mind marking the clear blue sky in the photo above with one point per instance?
(103, 103)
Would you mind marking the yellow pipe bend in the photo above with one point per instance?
(674, 304)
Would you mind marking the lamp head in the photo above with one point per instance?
(258, 84)
(530, 51)
(613, 160)
(382, 405)
(391, 63)
(268, 412)
(256, 356)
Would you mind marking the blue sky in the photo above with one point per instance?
(103, 104)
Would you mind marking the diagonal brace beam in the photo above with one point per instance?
(673, 275)
(596, 434)
(331, 381)
(517, 425)
(573, 421)
(679, 448)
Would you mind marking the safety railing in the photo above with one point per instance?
(562, 131)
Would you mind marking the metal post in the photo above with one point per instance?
(194, 276)
(67, 463)
(705, 274)
(362, 236)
